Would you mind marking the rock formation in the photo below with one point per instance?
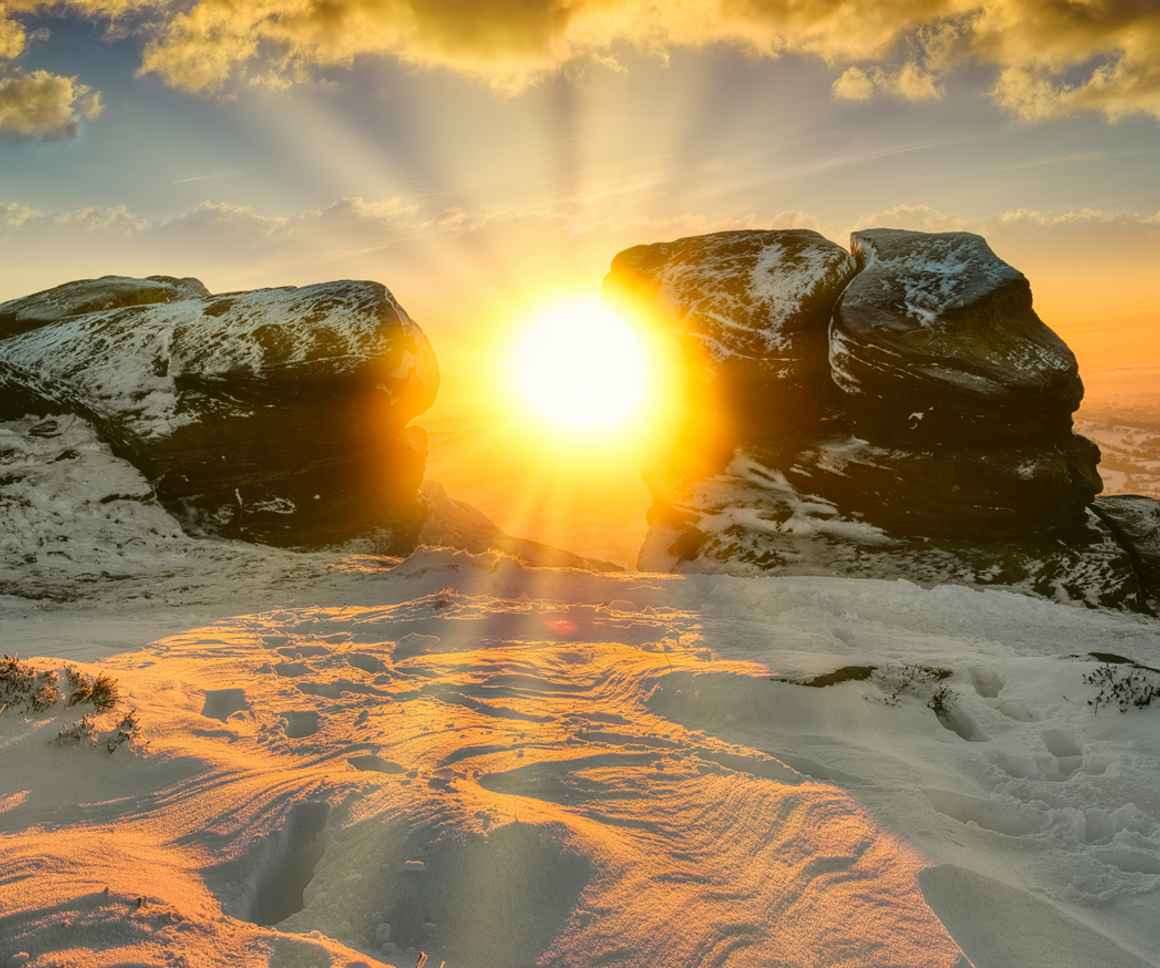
(751, 311)
(936, 444)
(93, 295)
(277, 415)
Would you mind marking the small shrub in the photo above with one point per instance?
(942, 700)
(1123, 684)
(918, 681)
(126, 732)
(25, 689)
(84, 731)
(100, 690)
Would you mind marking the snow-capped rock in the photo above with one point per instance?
(936, 340)
(93, 295)
(945, 408)
(276, 415)
(752, 309)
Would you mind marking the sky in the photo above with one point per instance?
(486, 159)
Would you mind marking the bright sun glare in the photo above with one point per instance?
(583, 367)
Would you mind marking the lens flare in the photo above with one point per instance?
(583, 367)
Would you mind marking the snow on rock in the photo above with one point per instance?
(1136, 521)
(72, 514)
(93, 295)
(937, 324)
(275, 415)
(511, 766)
(752, 309)
(754, 518)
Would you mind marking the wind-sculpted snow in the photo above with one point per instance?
(277, 415)
(515, 767)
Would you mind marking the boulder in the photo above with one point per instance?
(751, 520)
(943, 490)
(1135, 520)
(751, 310)
(935, 339)
(276, 416)
(934, 442)
(90, 296)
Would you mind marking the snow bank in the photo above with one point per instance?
(511, 766)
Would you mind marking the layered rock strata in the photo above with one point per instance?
(276, 415)
(935, 444)
(750, 520)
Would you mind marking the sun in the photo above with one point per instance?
(583, 368)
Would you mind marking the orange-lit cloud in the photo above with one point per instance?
(900, 48)
(1050, 58)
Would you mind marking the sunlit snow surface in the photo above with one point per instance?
(510, 766)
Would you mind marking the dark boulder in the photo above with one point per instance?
(935, 340)
(751, 310)
(751, 520)
(944, 490)
(934, 444)
(90, 296)
(276, 415)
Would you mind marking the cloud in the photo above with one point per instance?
(233, 246)
(1050, 58)
(911, 82)
(44, 105)
(900, 49)
(916, 218)
(854, 85)
(28, 223)
(12, 35)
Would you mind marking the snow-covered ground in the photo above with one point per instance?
(345, 759)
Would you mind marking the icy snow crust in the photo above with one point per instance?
(501, 766)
